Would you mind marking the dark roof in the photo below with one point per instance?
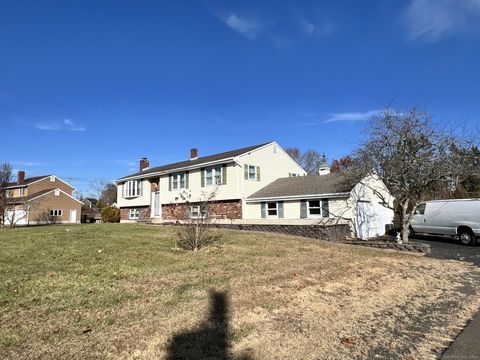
(198, 161)
(22, 199)
(92, 200)
(305, 185)
(26, 181)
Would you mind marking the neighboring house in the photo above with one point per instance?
(327, 199)
(90, 212)
(41, 199)
(259, 184)
(155, 194)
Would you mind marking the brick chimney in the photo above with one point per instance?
(144, 164)
(193, 153)
(20, 177)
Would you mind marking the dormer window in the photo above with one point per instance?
(21, 192)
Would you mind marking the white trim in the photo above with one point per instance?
(299, 197)
(267, 215)
(48, 192)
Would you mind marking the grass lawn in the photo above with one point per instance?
(124, 291)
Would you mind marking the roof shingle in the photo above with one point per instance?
(199, 161)
(304, 185)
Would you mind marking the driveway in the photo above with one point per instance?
(446, 248)
(466, 345)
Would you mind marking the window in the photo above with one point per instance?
(178, 181)
(196, 211)
(21, 192)
(213, 176)
(318, 208)
(132, 188)
(133, 214)
(56, 212)
(252, 172)
(272, 210)
(420, 209)
(293, 175)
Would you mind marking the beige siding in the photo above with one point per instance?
(229, 191)
(45, 184)
(143, 200)
(16, 192)
(44, 204)
(274, 163)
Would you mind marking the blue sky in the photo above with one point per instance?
(89, 87)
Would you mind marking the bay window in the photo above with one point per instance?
(132, 188)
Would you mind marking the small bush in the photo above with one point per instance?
(110, 214)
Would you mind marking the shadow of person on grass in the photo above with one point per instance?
(210, 340)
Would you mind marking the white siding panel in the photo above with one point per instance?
(143, 200)
(274, 163)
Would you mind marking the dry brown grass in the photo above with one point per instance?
(123, 291)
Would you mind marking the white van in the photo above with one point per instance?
(457, 218)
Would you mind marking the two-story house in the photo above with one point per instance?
(259, 184)
(156, 194)
(41, 199)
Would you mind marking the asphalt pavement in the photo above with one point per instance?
(467, 344)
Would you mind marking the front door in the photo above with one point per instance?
(156, 204)
(73, 216)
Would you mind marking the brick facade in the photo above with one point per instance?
(226, 209)
(144, 212)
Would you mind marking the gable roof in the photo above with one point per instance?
(26, 181)
(192, 163)
(314, 185)
(23, 199)
(31, 180)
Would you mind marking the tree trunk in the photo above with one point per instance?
(405, 222)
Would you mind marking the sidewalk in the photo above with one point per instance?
(467, 344)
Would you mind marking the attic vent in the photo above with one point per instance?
(274, 149)
(57, 192)
(52, 178)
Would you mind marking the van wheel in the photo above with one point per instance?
(467, 237)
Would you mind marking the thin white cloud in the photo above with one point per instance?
(320, 29)
(247, 27)
(66, 124)
(431, 20)
(307, 27)
(27, 163)
(352, 116)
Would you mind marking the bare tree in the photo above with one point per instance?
(310, 160)
(195, 219)
(5, 178)
(109, 194)
(411, 155)
(295, 154)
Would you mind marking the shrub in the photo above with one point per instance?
(110, 214)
